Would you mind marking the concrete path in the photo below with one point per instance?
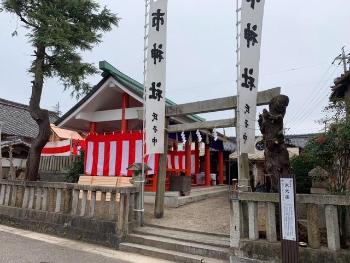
(21, 246)
(211, 215)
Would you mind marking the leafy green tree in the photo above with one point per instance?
(331, 151)
(301, 166)
(75, 169)
(58, 31)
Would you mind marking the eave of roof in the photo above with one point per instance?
(131, 84)
(134, 85)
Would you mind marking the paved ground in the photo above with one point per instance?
(211, 215)
(20, 246)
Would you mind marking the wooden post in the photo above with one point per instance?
(159, 202)
(221, 166)
(188, 157)
(207, 165)
(125, 104)
(92, 128)
(196, 159)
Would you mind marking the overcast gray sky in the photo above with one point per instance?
(300, 40)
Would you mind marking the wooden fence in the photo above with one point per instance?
(55, 163)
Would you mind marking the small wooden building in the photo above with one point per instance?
(112, 116)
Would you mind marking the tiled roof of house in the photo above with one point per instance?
(17, 120)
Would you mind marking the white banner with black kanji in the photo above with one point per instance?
(249, 56)
(155, 77)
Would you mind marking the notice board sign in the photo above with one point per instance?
(288, 209)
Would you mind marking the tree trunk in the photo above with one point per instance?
(40, 116)
(276, 154)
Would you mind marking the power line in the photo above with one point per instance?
(315, 101)
(294, 69)
(313, 92)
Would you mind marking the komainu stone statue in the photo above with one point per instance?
(276, 153)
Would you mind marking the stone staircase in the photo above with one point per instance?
(201, 193)
(178, 245)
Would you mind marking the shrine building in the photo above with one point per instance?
(111, 115)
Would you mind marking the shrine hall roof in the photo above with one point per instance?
(134, 86)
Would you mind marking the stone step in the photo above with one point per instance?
(170, 255)
(181, 246)
(180, 235)
(189, 231)
(200, 195)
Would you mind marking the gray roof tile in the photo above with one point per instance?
(17, 120)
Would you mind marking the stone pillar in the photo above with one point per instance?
(253, 220)
(58, 200)
(235, 223)
(271, 233)
(84, 203)
(313, 231)
(243, 172)
(332, 225)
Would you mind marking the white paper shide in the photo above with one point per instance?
(249, 56)
(155, 77)
(288, 209)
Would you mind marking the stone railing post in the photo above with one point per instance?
(14, 196)
(313, 231)
(38, 198)
(2, 194)
(92, 204)
(8, 195)
(253, 220)
(75, 201)
(25, 202)
(83, 203)
(271, 234)
(112, 206)
(122, 226)
(332, 225)
(67, 199)
(103, 206)
(44, 206)
(235, 223)
(58, 200)
(31, 197)
(132, 207)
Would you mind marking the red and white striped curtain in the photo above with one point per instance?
(63, 148)
(58, 148)
(111, 155)
(177, 161)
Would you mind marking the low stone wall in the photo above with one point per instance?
(319, 228)
(93, 213)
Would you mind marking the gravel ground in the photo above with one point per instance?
(211, 215)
